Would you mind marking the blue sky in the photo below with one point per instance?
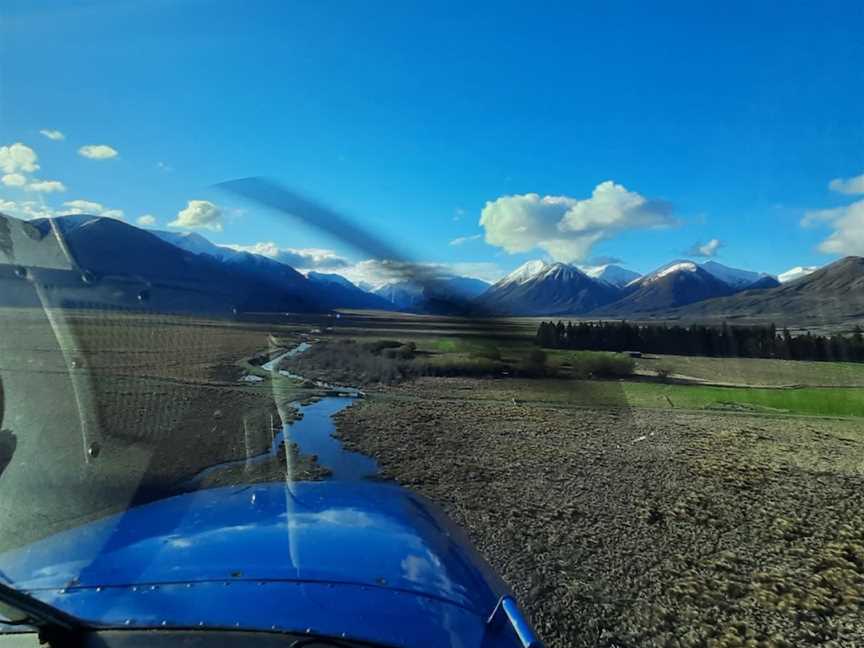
(721, 121)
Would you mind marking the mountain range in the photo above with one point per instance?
(175, 279)
(682, 289)
(541, 288)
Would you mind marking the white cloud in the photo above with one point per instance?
(98, 151)
(848, 186)
(51, 134)
(199, 214)
(163, 166)
(566, 227)
(848, 225)
(91, 208)
(46, 186)
(14, 180)
(378, 272)
(83, 207)
(298, 258)
(708, 249)
(18, 158)
(27, 209)
(146, 220)
(482, 270)
(461, 240)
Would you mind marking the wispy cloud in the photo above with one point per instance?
(52, 134)
(146, 220)
(46, 186)
(164, 166)
(848, 186)
(461, 240)
(27, 209)
(91, 208)
(603, 261)
(708, 249)
(98, 152)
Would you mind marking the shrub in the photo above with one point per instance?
(537, 357)
(533, 365)
(404, 352)
(602, 365)
(456, 366)
(491, 353)
(378, 346)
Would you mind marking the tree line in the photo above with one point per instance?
(700, 340)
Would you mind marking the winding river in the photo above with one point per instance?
(313, 432)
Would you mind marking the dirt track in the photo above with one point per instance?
(621, 527)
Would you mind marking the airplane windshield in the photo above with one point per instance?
(434, 325)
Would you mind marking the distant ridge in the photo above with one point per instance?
(740, 279)
(833, 294)
(613, 274)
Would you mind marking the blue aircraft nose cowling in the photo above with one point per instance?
(366, 561)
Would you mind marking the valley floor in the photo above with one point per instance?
(626, 513)
(624, 526)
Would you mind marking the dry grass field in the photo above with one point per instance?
(622, 526)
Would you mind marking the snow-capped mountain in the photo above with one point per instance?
(612, 274)
(258, 282)
(831, 294)
(796, 273)
(440, 295)
(670, 268)
(540, 288)
(740, 279)
(674, 284)
(523, 273)
(404, 295)
(195, 243)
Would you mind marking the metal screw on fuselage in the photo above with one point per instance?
(21, 272)
(94, 450)
(88, 277)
